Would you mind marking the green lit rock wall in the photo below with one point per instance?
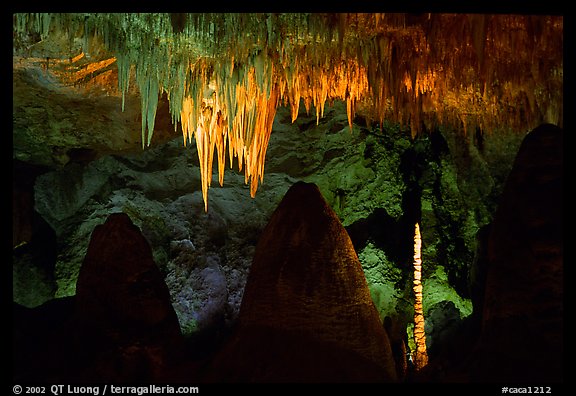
(385, 179)
(378, 180)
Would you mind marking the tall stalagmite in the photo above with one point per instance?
(306, 313)
(127, 329)
(420, 355)
(522, 332)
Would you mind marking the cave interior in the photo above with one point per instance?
(287, 197)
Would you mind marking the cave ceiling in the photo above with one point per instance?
(220, 77)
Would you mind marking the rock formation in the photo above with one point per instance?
(306, 314)
(127, 329)
(515, 334)
(120, 326)
(522, 334)
(85, 108)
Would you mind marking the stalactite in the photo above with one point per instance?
(456, 69)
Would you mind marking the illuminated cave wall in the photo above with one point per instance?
(419, 166)
(377, 181)
(386, 182)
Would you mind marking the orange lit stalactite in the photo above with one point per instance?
(420, 355)
(225, 87)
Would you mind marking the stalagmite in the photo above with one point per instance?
(420, 355)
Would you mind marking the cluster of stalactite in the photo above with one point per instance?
(225, 74)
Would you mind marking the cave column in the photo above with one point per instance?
(420, 355)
